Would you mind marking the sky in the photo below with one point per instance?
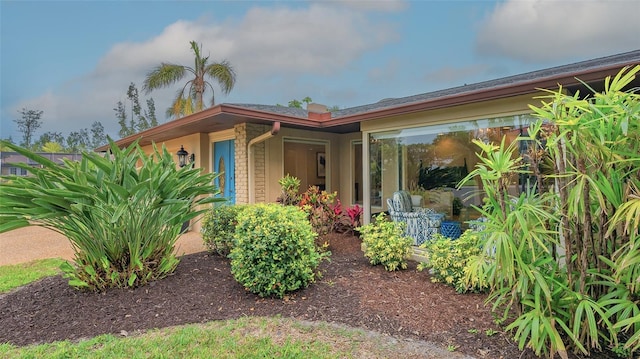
(74, 60)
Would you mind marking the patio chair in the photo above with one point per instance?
(420, 223)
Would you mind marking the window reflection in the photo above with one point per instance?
(431, 161)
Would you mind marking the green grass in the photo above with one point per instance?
(17, 275)
(247, 337)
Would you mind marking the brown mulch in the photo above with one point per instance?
(352, 292)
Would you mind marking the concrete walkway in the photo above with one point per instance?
(31, 243)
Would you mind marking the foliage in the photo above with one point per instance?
(298, 104)
(319, 206)
(17, 275)
(385, 243)
(326, 213)
(275, 251)
(75, 142)
(140, 119)
(219, 228)
(28, 124)
(447, 260)
(434, 177)
(54, 137)
(78, 141)
(122, 212)
(290, 186)
(52, 147)
(192, 101)
(98, 138)
(346, 220)
(590, 148)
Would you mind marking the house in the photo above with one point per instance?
(8, 161)
(366, 153)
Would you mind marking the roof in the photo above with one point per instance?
(573, 70)
(226, 115)
(10, 158)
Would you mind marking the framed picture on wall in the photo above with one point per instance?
(321, 162)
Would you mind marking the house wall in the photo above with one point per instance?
(486, 109)
(347, 167)
(274, 153)
(198, 144)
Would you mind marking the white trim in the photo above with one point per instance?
(352, 172)
(366, 182)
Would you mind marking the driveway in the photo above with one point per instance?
(30, 243)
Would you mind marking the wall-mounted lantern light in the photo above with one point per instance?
(184, 158)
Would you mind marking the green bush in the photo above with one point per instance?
(122, 211)
(274, 250)
(290, 186)
(219, 228)
(447, 259)
(385, 244)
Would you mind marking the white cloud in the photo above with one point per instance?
(370, 5)
(319, 40)
(266, 46)
(552, 30)
(452, 76)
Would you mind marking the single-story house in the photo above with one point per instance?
(365, 153)
(9, 161)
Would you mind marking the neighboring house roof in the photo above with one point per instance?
(8, 159)
(225, 115)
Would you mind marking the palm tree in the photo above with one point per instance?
(52, 147)
(167, 74)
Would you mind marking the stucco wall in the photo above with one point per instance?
(197, 144)
(486, 109)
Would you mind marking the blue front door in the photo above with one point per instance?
(224, 163)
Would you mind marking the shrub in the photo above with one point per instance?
(122, 212)
(385, 244)
(325, 212)
(290, 186)
(219, 227)
(447, 259)
(346, 220)
(319, 207)
(274, 250)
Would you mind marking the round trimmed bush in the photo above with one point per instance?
(274, 250)
(219, 228)
(385, 243)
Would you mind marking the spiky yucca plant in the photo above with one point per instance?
(122, 211)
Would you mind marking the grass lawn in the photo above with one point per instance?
(248, 337)
(14, 276)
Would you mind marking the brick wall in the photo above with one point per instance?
(244, 133)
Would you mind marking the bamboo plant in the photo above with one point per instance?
(565, 254)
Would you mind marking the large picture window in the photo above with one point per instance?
(430, 162)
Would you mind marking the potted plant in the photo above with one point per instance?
(416, 193)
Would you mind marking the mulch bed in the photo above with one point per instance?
(352, 292)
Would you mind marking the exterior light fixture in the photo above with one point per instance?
(184, 158)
